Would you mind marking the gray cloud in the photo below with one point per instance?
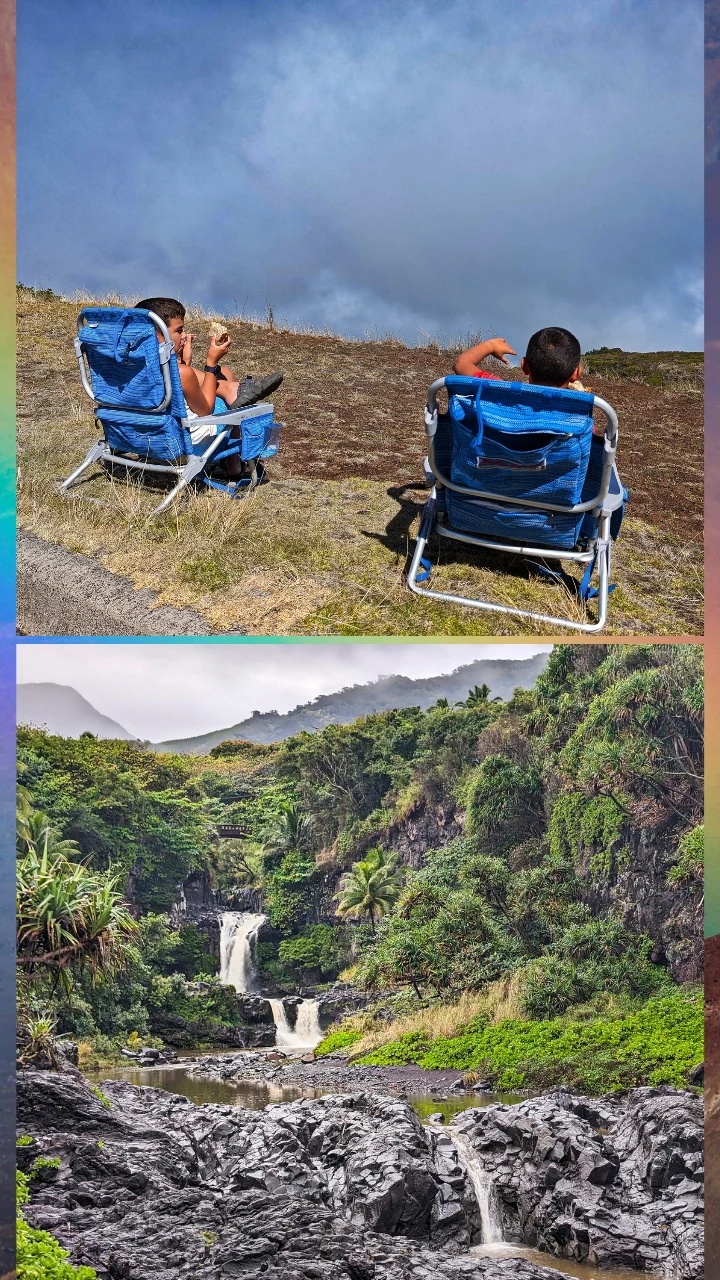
(161, 691)
(398, 167)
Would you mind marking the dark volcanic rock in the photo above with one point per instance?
(638, 892)
(354, 1186)
(328, 1072)
(614, 1182)
(330, 1189)
(256, 1031)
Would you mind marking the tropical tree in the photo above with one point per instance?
(479, 695)
(36, 832)
(291, 831)
(371, 887)
(69, 916)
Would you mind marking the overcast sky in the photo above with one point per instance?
(161, 691)
(405, 167)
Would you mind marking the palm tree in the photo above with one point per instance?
(35, 831)
(371, 887)
(479, 694)
(292, 829)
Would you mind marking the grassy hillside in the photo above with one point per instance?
(322, 549)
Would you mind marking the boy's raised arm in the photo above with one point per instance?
(468, 361)
(199, 391)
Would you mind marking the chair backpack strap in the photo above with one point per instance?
(120, 327)
(585, 591)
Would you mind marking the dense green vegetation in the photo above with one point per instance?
(660, 1043)
(680, 370)
(554, 794)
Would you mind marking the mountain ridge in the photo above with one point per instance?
(62, 710)
(502, 675)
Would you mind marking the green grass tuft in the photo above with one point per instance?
(337, 1040)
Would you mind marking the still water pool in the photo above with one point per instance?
(256, 1096)
(580, 1270)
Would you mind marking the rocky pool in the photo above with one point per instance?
(296, 1180)
(255, 1095)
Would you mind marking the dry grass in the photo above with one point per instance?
(322, 549)
(497, 1003)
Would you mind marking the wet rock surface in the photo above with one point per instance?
(333, 1071)
(338, 1187)
(152, 1185)
(615, 1182)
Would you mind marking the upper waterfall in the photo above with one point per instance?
(237, 931)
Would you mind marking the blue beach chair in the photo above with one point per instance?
(517, 469)
(134, 383)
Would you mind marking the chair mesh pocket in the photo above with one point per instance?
(542, 528)
(254, 435)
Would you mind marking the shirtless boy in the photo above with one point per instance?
(552, 358)
(216, 380)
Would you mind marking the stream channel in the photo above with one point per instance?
(237, 968)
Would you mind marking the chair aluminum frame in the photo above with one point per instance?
(196, 463)
(602, 505)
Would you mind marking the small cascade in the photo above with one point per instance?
(492, 1230)
(237, 932)
(307, 1031)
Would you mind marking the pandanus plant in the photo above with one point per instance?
(68, 915)
(371, 887)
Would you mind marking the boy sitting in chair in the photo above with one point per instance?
(216, 380)
(552, 359)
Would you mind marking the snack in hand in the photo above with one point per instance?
(218, 331)
(577, 386)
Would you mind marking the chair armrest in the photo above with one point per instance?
(232, 418)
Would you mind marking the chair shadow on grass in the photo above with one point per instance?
(398, 539)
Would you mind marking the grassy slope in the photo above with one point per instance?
(658, 1043)
(322, 549)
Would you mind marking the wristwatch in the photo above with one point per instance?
(213, 368)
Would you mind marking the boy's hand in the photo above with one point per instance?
(186, 348)
(499, 348)
(217, 350)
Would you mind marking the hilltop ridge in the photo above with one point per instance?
(502, 675)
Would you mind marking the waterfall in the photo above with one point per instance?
(237, 934)
(307, 1031)
(492, 1231)
(237, 930)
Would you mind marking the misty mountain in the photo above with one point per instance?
(502, 675)
(63, 711)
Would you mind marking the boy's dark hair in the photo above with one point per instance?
(166, 308)
(552, 355)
